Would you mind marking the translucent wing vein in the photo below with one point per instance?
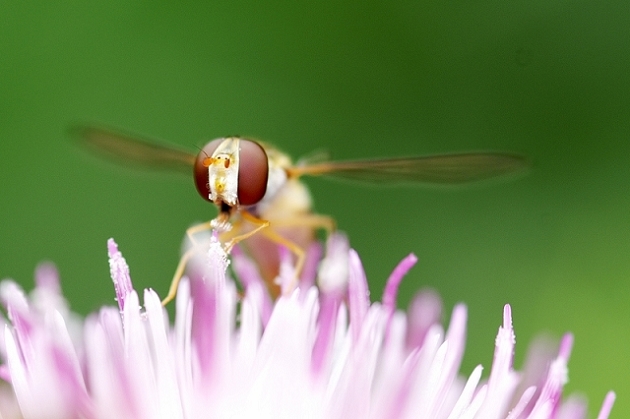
(447, 169)
(133, 150)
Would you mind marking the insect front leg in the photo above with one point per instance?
(183, 261)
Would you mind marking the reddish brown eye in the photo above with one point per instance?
(253, 171)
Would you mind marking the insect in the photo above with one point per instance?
(257, 189)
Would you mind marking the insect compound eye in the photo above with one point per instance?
(253, 170)
(252, 173)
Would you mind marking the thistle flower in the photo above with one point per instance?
(320, 351)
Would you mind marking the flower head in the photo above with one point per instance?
(321, 351)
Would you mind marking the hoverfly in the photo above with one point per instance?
(257, 189)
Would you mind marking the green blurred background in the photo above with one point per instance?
(548, 78)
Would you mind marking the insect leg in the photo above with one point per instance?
(183, 261)
(314, 221)
(259, 223)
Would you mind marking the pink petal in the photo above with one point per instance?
(47, 277)
(503, 379)
(609, 401)
(213, 305)
(333, 269)
(253, 283)
(309, 272)
(119, 271)
(425, 310)
(393, 282)
(326, 323)
(358, 295)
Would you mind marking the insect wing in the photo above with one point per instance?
(133, 150)
(446, 169)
